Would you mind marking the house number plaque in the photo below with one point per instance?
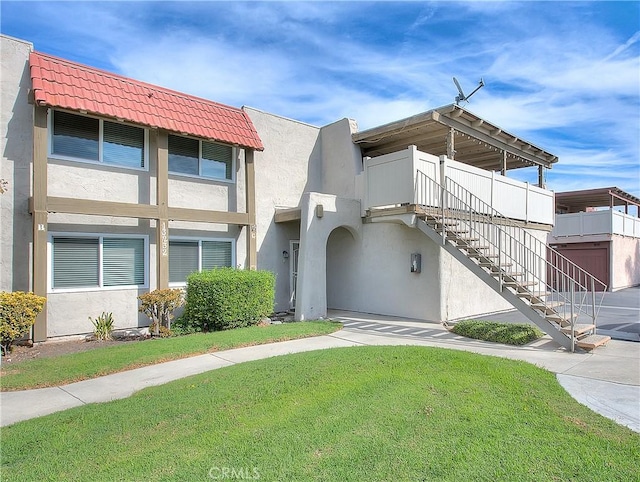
(164, 239)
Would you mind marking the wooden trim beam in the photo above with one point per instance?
(205, 216)
(387, 130)
(100, 208)
(39, 218)
(451, 144)
(250, 192)
(162, 209)
(142, 211)
(464, 129)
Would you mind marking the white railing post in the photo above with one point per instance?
(593, 305)
(573, 320)
(493, 181)
(500, 276)
(443, 190)
(443, 197)
(526, 205)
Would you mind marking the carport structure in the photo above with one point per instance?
(593, 231)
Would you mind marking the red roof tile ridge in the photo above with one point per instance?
(129, 80)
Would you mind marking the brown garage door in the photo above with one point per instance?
(592, 257)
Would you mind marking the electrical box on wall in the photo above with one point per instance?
(416, 262)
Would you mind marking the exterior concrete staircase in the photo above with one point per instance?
(551, 291)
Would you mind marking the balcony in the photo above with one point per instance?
(606, 221)
(596, 212)
(394, 179)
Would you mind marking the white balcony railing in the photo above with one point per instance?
(606, 221)
(391, 180)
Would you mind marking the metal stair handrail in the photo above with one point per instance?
(556, 283)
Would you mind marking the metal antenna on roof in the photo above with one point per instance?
(465, 98)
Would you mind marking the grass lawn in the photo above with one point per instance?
(46, 372)
(347, 414)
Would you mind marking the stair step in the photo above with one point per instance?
(435, 222)
(463, 240)
(475, 248)
(520, 284)
(528, 294)
(578, 329)
(560, 319)
(481, 255)
(494, 266)
(592, 341)
(438, 219)
(515, 274)
(549, 304)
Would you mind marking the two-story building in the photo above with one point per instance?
(118, 187)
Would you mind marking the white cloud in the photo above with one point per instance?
(561, 77)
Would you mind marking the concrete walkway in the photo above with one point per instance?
(607, 380)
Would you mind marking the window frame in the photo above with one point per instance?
(234, 154)
(232, 241)
(100, 237)
(100, 161)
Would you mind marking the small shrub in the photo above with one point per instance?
(509, 333)
(18, 311)
(103, 326)
(184, 326)
(159, 305)
(226, 298)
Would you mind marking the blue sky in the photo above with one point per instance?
(565, 76)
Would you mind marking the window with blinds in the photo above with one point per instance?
(79, 137)
(76, 262)
(183, 260)
(216, 254)
(186, 257)
(122, 261)
(76, 136)
(217, 161)
(200, 158)
(123, 145)
(184, 155)
(96, 262)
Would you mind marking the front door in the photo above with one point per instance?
(294, 249)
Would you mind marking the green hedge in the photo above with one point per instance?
(509, 333)
(226, 298)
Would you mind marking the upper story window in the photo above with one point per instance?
(80, 137)
(194, 157)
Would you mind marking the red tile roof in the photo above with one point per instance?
(60, 83)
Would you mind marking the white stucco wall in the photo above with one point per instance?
(201, 194)
(68, 313)
(96, 182)
(463, 294)
(311, 301)
(341, 159)
(289, 165)
(372, 274)
(16, 147)
(625, 262)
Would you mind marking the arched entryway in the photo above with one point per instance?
(343, 257)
